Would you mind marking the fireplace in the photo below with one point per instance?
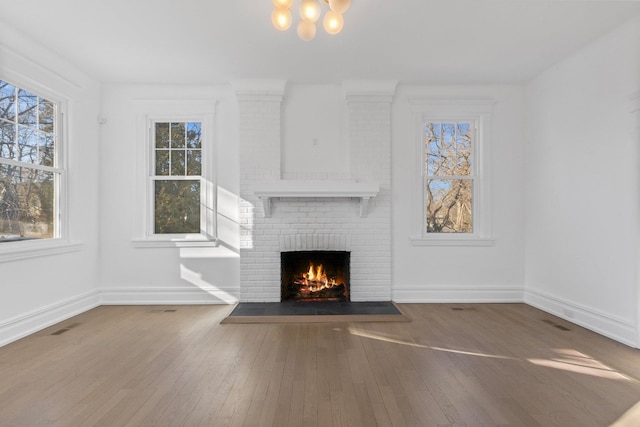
(315, 276)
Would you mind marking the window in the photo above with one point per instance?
(449, 176)
(453, 189)
(180, 194)
(177, 177)
(31, 169)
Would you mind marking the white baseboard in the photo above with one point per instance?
(27, 324)
(168, 296)
(605, 324)
(458, 294)
(617, 329)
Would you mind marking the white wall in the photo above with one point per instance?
(38, 291)
(314, 133)
(140, 275)
(582, 186)
(454, 273)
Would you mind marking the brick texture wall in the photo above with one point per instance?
(315, 223)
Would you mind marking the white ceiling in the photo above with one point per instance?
(414, 41)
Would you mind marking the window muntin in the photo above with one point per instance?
(466, 171)
(30, 170)
(448, 176)
(177, 178)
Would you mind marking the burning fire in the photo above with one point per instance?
(315, 280)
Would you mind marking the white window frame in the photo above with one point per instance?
(60, 243)
(477, 112)
(145, 235)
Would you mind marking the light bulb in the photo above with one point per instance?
(310, 10)
(333, 22)
(281, 18)
(282, 3)
(306, 30)
(339, 6)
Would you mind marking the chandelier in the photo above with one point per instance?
(309, 14)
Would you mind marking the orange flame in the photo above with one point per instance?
(315, 280)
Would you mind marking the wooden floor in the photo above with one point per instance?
(484, 365)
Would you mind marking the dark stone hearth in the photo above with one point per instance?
(294, 308)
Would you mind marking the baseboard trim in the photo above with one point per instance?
(19, 327)
(168, 296)
(605, 324)
(458, 294)
(617, 329)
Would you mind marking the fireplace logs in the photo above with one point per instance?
(315, 276)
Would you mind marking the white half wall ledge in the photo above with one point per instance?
(316, 189)
(14, 251)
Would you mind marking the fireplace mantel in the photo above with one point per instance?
(311, 189)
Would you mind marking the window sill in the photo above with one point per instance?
(14, 251)
(176, 243)
(452, 241)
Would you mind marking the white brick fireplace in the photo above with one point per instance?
(279, 214)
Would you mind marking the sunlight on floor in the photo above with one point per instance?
(631, 418)
(568, 360)
(354, 331)
(579, 369)
(574, 361)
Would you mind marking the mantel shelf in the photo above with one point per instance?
(321, 189)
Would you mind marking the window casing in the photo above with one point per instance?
(177, 177)
(452, 194)
(32, 169)
(180, 192)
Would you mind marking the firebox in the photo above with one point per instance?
(315, 276)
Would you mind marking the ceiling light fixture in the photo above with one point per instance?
(309, 13)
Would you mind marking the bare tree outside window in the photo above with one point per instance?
(28, 172)
(449, 172)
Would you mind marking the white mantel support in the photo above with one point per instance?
(316, 189)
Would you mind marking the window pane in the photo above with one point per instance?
(27, 108)
(194, 135)
(46, 116)
(432, 149)
(162, 135)
(46, 148)
(449, 205)
(7, 101)
(162, 162)
(177, 135)
(177, 207)
(194, 162)
(27, 144)
(463, 137)
(177, 162)
(26, 203)
(35, 147)
(7, 139)
(448, 149)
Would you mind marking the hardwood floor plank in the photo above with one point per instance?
(477, 365)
